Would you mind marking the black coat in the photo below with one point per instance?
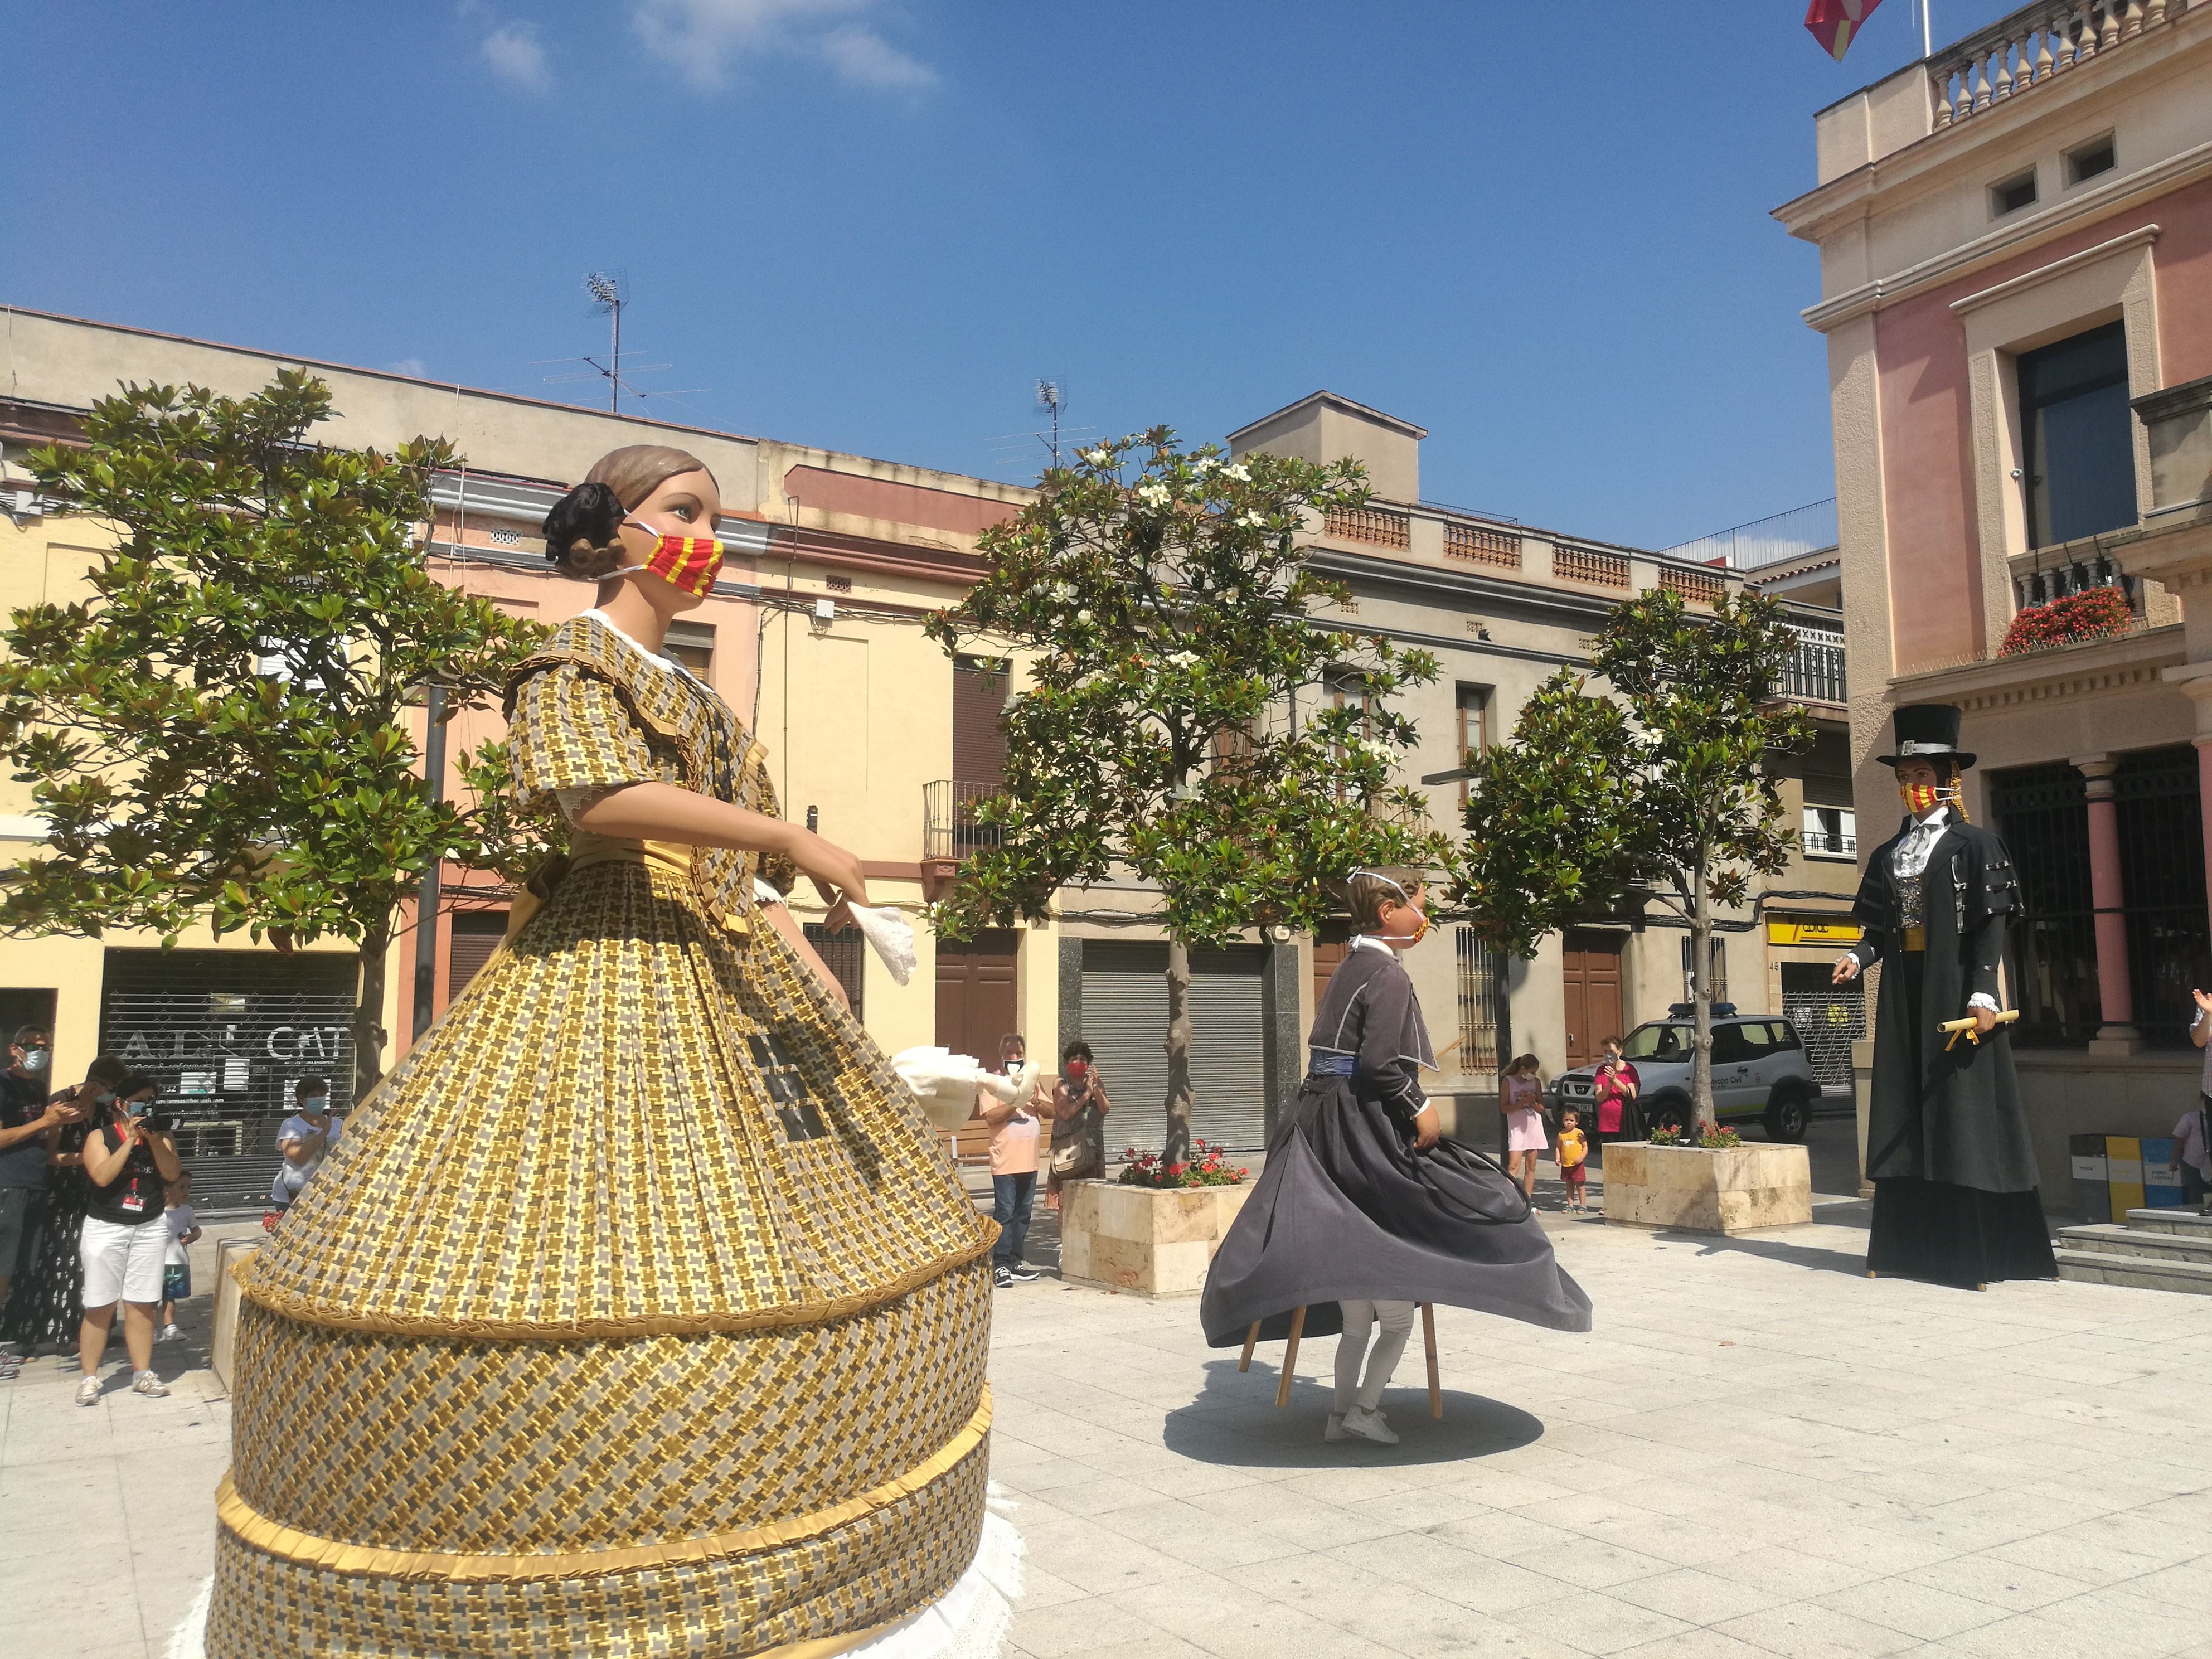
(1936, 1114)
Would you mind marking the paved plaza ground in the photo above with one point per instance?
(1756, 1451)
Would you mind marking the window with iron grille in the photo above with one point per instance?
(1474, 710)
(1480, 968)
(842, 952)
(1717, 979)
(2042, 812)
(2162, 875)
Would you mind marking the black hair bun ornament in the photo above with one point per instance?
(581, 532)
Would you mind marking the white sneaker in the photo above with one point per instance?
(169, 1333)
(87, 1392)
(1368, 1425)
(147, 1382)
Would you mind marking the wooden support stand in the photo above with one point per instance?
(1291, 1355)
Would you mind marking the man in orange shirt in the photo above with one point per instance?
(1013, 1126)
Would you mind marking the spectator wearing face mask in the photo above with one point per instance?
(43, 1308)
(305, 1139)
(25, 1114)
(1014, 1127)
(128, 1165)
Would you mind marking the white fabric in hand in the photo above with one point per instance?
(889, 935)
(944, 1082)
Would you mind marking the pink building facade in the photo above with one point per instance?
(2016, 243)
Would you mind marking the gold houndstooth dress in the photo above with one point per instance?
(637, 1311)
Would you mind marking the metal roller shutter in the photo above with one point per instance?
(228, 1033)
(1125, 1021)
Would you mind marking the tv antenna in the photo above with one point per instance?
(609, 293)
(1051, 399)
(606, 291)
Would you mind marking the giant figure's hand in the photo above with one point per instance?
(1427, 1129)
(1847, 969)
(1985, 1020)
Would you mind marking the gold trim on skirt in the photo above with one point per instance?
(256, 1530)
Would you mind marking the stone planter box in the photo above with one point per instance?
(1149, 1242)
(230, 1254)
(1758, 1184)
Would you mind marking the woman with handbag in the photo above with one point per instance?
(1078, 1123)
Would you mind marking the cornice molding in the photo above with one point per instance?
(2158, 180)
(2141, 237)
(2136, 661)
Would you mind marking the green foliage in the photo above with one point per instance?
(215, 733)
(1184, 719)
(1659, 793)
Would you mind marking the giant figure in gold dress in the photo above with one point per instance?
(637, 1312)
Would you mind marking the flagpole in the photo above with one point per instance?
(1927, 39)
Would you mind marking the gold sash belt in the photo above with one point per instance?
(584, 850)
(249, 1526)
(1915, 938)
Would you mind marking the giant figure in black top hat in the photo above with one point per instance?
(1947, 1149)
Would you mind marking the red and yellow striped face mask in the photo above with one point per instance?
(690, 562)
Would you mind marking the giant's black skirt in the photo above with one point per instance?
(1962, 1235)
(1344, 1208)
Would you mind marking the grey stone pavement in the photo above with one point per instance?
(1756, 1451)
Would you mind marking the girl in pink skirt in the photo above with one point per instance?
(1521, 1098)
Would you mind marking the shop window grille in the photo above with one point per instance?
(2042, 812)
(2162, 873)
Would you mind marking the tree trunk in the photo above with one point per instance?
(368, 1018)
(1701, 995)
(1178, 1049)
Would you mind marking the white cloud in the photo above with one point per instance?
(518, 57)
(864, 58)
(411, 367)
(704, 38)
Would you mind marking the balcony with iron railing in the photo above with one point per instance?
(1815, 671)
(950, 828)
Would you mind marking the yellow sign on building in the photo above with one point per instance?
(1812, 930)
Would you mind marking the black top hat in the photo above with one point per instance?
(1927, 731)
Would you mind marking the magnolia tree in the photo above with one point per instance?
(1658, 794)
(1184, 719)
(216, 731)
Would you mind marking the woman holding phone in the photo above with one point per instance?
(1078, 1123)
(128, 1163)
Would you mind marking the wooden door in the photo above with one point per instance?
(976, 1008)
(1589, 964)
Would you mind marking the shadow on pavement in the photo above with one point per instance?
(1852, 1263)
(1234, 1422)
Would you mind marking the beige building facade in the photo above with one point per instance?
(2015, 240)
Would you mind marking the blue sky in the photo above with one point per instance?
(1539, 230)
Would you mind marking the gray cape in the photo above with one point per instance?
(1346, 1207)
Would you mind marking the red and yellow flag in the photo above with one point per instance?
(1836, 23)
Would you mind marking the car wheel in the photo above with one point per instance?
(1788, 1116)
(1668, 1112)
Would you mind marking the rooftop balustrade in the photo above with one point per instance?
(2020, 52)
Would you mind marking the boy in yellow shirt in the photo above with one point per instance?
(1573, 1153)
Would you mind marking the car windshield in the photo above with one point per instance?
(1657, 1042)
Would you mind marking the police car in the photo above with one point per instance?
(1760, 1071)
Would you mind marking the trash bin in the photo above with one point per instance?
(2161, 1174)
(2123, 1161)
(2092, 1181)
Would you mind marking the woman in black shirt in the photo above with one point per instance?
(127, 1162)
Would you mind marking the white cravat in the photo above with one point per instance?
(1911, 857)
